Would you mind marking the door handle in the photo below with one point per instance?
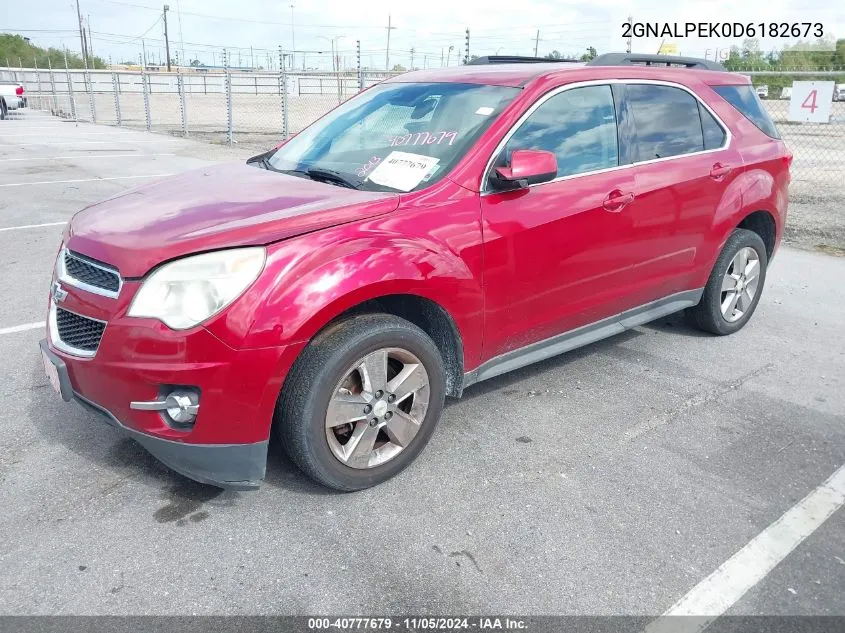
(616, 200)
(719, 170)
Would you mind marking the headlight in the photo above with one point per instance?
(186, 292)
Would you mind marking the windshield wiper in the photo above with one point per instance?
(318, 174)
(331, 176)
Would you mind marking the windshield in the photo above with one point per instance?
(394, 136)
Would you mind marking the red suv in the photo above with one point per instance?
(436, 230)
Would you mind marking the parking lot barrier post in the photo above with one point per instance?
(38, 79)
(180, 83)
(358, 63)
(227, 83)
(145, 89)
(90, 90)
(283, 92)
(70, 90)
(55, 109)
(115, 82)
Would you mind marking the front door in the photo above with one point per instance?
(555, 253)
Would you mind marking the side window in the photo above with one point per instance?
(578, 125)
(666, 120)
(714, 135)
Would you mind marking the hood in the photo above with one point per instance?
(217, 207)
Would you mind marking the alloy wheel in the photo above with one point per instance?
(377, 408)
(739, 284)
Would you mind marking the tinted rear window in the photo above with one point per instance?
(745, 99)
(667, 121)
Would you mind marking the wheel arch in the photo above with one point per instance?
(428, 315)
(762, 222)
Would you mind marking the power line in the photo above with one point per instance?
(247, 20)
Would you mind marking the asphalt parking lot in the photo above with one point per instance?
(612, 480)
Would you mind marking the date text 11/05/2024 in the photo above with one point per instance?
(479, 623)
(722, 29)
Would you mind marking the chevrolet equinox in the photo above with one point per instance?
(438, 229)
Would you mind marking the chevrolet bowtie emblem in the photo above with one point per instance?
(59, 293)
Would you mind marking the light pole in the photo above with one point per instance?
(166, 40)
(449, 54)
(335, 46)
(292, 36)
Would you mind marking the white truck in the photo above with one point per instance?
(11, 97)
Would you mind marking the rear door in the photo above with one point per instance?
(684, 171)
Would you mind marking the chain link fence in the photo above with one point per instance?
(817, 190)
(253, 108)
(260, 108)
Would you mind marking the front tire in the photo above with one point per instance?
(361, 401)
(735, 285)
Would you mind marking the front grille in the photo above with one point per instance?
(91, 272)
(78, 331)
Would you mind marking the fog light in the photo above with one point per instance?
(179, 406)
(182, 406)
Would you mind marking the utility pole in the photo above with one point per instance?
(412, 59)
(166, 40)
(536, 42)
(466, 54)
(292, 36)
(441, 57)
(81, 34)
(251, 58)
(179, 23)
(144, 52)
(630, 23)
(85, 44)
(387, 54)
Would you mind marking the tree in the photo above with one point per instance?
(399, 68)
(553, 55)
(15, 47)
(195, 63)
(590, 54)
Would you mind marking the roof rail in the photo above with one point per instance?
(632, 59)
(514, 59)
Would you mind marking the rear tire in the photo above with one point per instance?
(734, 287)
(344, 422)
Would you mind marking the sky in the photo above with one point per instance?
(201, 29)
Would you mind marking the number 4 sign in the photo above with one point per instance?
(811, 101)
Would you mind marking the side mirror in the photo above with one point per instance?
(528, 167)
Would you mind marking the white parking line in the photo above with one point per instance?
(15, 160)
(157, 140)
(22, 328)
(61, 182)
(74, 133)
(714, 595)
(30, 226)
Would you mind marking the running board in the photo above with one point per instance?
(583, 335)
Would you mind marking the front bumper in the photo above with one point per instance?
(234, 466)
